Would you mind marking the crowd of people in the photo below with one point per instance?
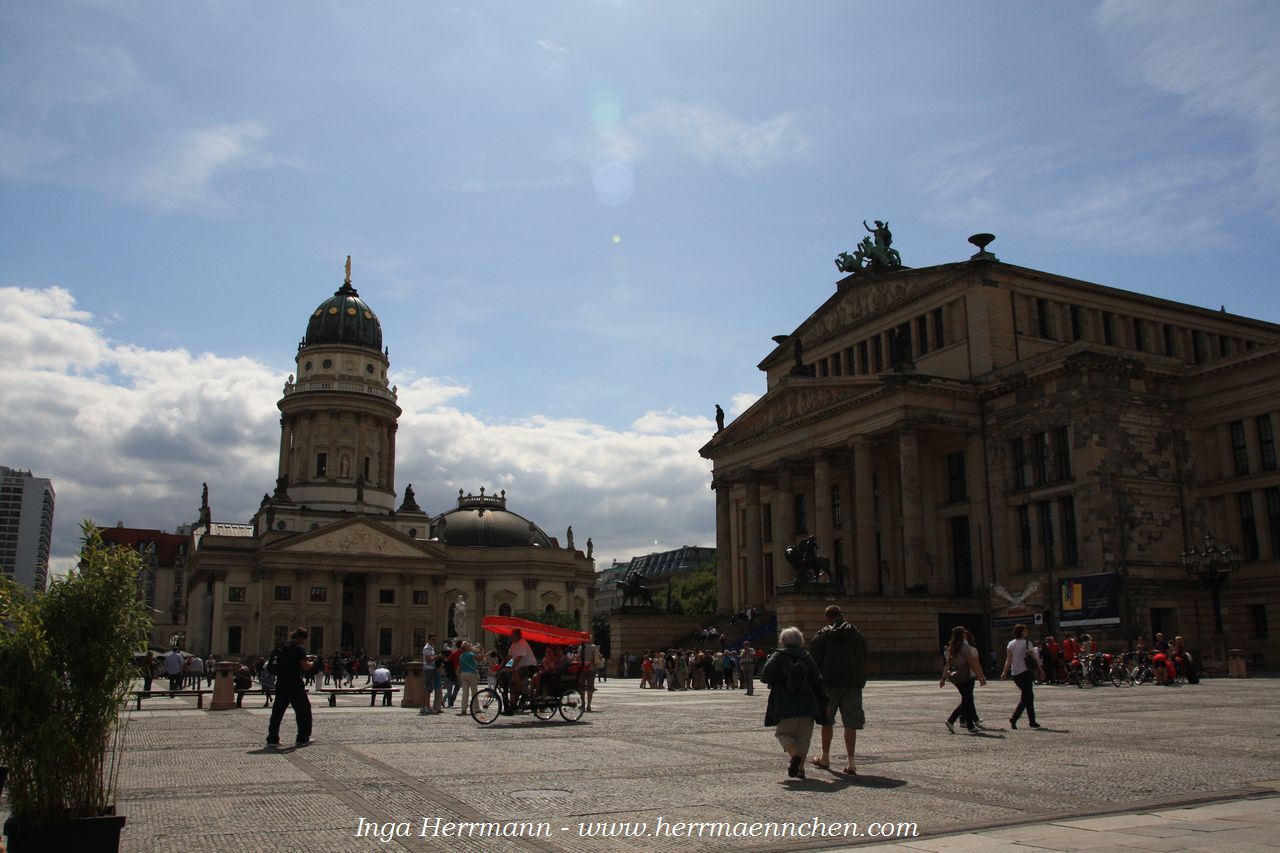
(696, 669)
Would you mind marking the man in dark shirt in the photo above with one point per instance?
(840, 651)
(291, 663)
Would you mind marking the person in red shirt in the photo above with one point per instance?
(1052, 654)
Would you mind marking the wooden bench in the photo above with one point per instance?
(139, 695)
(374, 693)
(266, 703)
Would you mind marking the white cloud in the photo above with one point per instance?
(742, 401)
(182, 170)
(663, 423)
(551, 47)
(706, 133)
(129, 434)
(1220, 59)
(1128, 201)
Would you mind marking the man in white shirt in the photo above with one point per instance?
(523, 661)
(196, 673)
(380, 679)
(173, 664)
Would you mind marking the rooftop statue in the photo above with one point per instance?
(875, 254)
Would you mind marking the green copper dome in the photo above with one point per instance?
(344, 318)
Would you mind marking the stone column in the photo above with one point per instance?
(334, 640)
(404, 607)
(726, 596)
(217, 630)
(286, 435)
(784, 532)
(224, 694)
(866, 570)
(371, 583)
(912, 508)
(822, 521)
(476, 611)
(391, 450)
(415, 693)
(755, 570)
(530, 590)
(303, 586)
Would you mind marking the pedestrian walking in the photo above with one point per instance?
(433, 700)
(1023, 664)
(840, 651)
(796, 698)
(289, 664)
(468, 676)
(961, 667)
(747, 666)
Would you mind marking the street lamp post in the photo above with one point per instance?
(1213, 565)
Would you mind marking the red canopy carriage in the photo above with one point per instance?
(534, 632)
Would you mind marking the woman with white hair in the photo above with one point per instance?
(796, 697)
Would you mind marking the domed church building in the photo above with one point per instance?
(337, 549)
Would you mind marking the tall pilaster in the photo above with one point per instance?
(755, 570)
(784, 534)
(725, 597)
(916, 573)
(864, 511)
(822, 520)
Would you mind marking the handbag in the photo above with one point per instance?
(1033, 663)
(959, 672)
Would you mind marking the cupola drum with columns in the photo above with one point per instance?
(338, 416)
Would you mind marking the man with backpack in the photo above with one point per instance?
(287, 664)
(840, 651)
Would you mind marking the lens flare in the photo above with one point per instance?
(613, 180)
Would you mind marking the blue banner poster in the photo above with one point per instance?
(1089, 601)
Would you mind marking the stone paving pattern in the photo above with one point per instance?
(1126, 767)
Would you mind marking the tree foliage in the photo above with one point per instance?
(695, 593)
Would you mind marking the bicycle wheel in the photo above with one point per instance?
(572, 706)
(543, 707)
(486, 705)
(1119, 675)
(1077, 678)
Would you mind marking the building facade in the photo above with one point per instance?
(334, 549)
(656, 570)
(162, 581)
(26, 527)
(967, 441)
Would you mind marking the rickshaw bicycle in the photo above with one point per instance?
(489, 703)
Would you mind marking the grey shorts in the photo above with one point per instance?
(849, 701)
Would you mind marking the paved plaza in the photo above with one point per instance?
(1149, 768)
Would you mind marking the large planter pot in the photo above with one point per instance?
(82, 834)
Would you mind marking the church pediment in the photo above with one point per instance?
(356, 536)
(789, 403)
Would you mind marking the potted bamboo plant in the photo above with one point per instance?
(67, 659)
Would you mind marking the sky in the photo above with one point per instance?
(579, 222)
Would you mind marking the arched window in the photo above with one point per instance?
(550, 608)
(504, 609)
(577, 619)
